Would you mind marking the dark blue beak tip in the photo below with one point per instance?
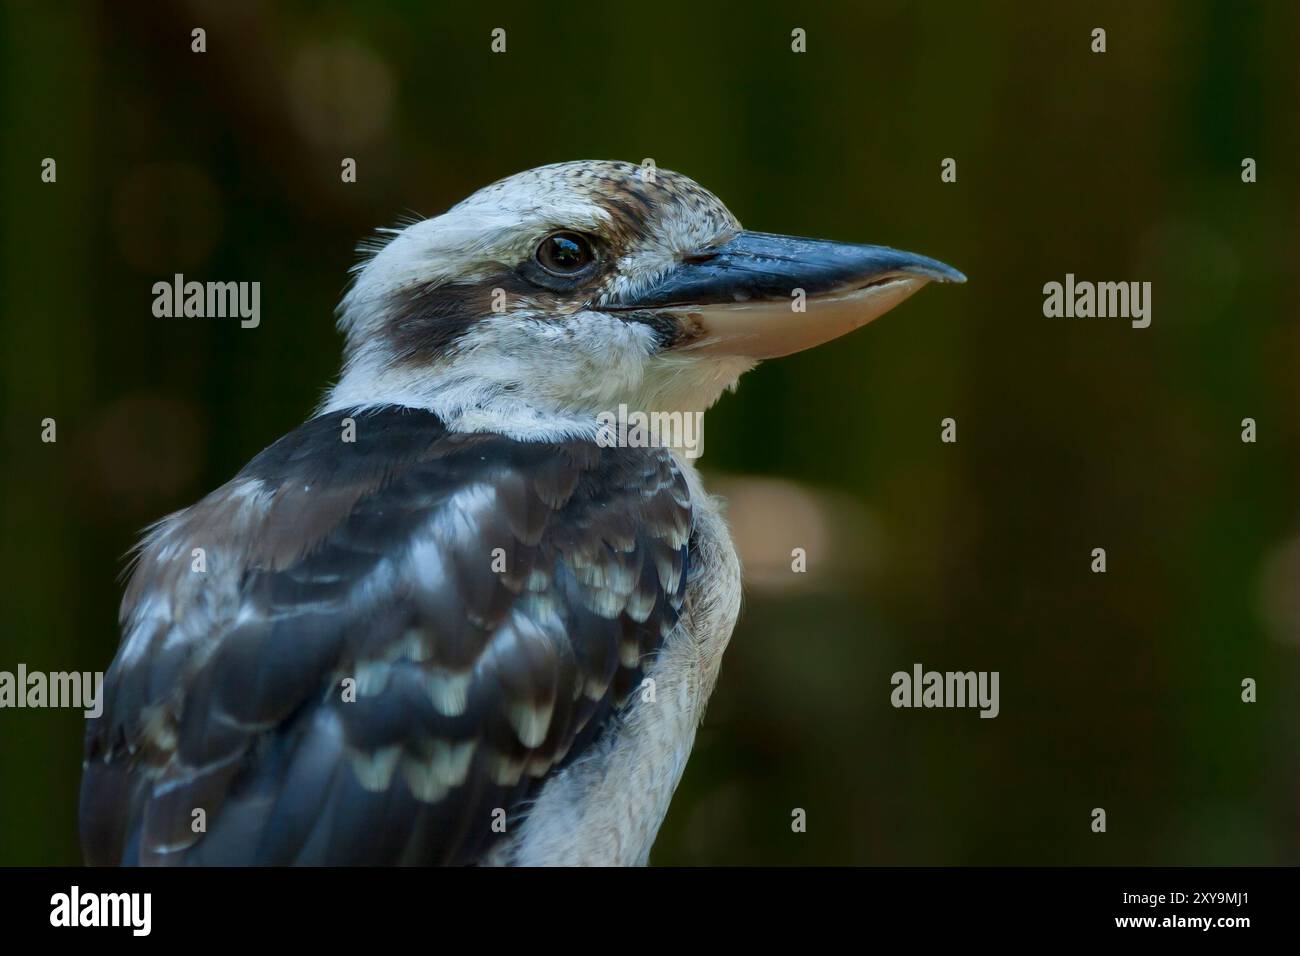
(935, 270)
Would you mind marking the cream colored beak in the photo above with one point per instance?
(763, 296)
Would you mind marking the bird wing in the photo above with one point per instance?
(376, 650)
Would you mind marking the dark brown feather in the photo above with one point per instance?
(373, 561)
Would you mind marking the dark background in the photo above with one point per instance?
(1119, 690)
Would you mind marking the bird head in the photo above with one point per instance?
(554, 295)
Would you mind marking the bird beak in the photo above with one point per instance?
(742, 297)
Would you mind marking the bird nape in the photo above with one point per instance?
(445, 620)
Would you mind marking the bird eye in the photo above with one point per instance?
(564, 253)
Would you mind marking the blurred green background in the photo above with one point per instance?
(1119, 690)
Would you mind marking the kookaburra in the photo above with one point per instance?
(441, 622)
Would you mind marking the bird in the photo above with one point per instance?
(444, 621)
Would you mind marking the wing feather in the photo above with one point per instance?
(392, 639)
